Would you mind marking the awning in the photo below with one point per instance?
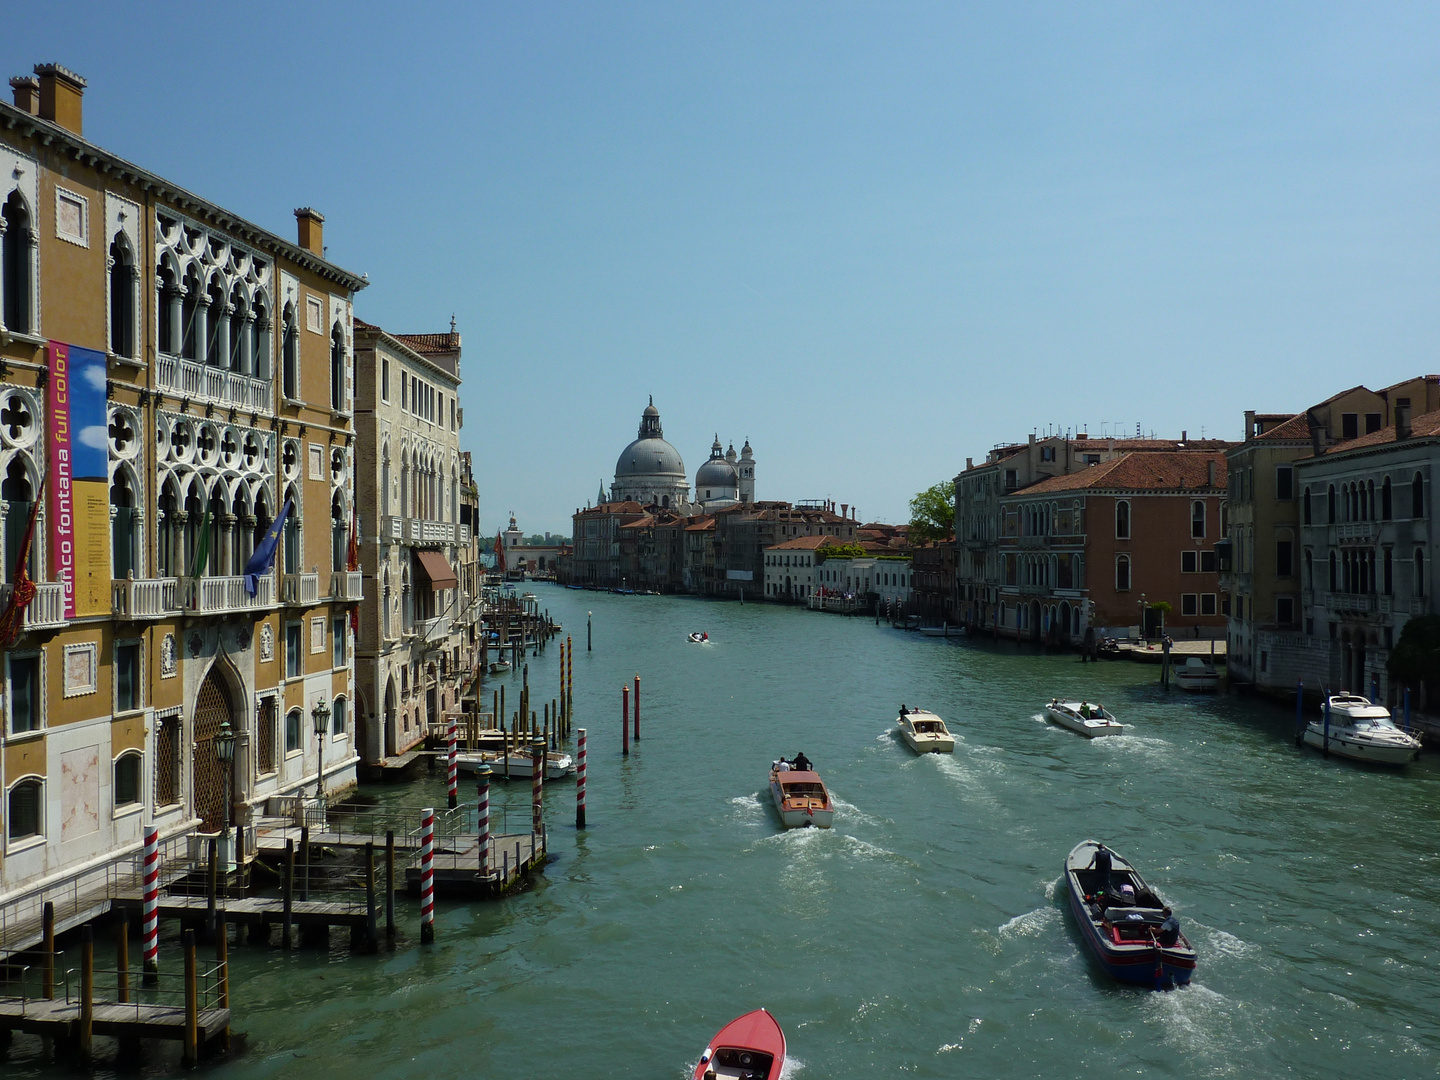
(434, 566)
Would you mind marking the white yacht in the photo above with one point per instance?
(1362, 731)
(925, 733)
(1198, 675)
(1083, 717)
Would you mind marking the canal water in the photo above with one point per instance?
(926, 934)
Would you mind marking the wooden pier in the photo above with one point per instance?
(60, 1020)
(513, 858)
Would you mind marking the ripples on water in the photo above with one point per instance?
(927, 934)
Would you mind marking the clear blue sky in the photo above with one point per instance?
(875, 239)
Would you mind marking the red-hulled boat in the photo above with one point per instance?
(750, 1047)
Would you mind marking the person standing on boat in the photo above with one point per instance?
(904, 711)
(1169, 932)
(782, 765)
(1102, 868)
(801, 762)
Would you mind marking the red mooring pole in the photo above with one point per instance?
(537, 783)
(637, 708)
(625, 720)
(427, 876)
(150, 928)
(580, 781)
(453, 790)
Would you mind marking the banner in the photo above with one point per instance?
(79, 457)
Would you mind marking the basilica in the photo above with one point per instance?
(651, 473)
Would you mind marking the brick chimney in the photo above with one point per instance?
(312, 230)
(27, 93)
(61, 93)
(1250, 431)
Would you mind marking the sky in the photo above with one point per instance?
(874, 239)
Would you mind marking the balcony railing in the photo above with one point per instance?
(221, 595)
(347, 584)
(201, 382)
(46, 610)
(302, 590)
(1339, 601)
(144, 598)
(1354, 530)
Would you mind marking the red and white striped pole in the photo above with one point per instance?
(482, 813)
(150, 928)
(537, 781)
(625, 720)
(569, 682)
(427, 876)
(453, 791)
(580, 781)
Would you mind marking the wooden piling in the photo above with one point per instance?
(122, 956)
(222, 962)
(637, 708)
(304, 862)
(211, 885)
(372, 937)
(482, 817)
(86, 1033)
(625, 720)
(191, 1054)
(390, 888)
(47, 944)
(452, 775)
(288, 894)
(537, 781)
(569, 682)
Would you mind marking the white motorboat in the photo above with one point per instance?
(1197, 674)
(1082, 717)
(945, 630)
(925, 733)
(1362, 731)
(499, 667)
(515, 764)
(801, 798)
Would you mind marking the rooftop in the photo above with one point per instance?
(1171, 470)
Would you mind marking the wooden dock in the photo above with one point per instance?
(513, 857)
(60, 1020)
(257, 911)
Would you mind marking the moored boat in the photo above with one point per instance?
(800, 797)
(1197, 675)
(499, 667)
(945, 630)
(1362, 731)
(1124, 922)
(924, 732)
(750, 1047)
(1082, 717)
(515, 764)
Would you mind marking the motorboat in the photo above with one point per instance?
(1198, 675)
(1081, 716)
(925, 733)
(1359, 729)
(945, 630)
(1123, 923)
(800, 797)
(515, 764)
(499, 667)
(698, 638)
(750, 1047)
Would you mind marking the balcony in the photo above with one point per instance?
(223, 595)
(203, 383)
(1355, 602)
(1354, 531)
(47, 610)
(428, 630)
(423, 531)
(392, 529)
(347, 585)
(144, 598)
(301, 590)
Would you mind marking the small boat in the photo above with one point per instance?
(1362, 731)
(750, 1047)
(925, 733)
(1089, 720)
(515, 765)
(1123, 924)
(699, 638)
(801, 798)
(945, 630)
(499, 667)
(1198, 675)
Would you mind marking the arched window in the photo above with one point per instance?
(289, 355)
(259, 327)
(239, 351)
(1419, 572)
(1387, 573)
(19, 497)
(1305, 503)
(1122, 573)
(1309, 581)
(190, 344)
(167, 299)
(294, 731)
(337, 533)
(339, 713)
(1417, 497)
(15, 265)
(1334, 573)
(123, 545)
(337, 369)
(127, 779)
(24, 809)
(1330, 505)
(292, 534)
(1387, 500)
(1122, 521)
(1197, 518)
(216, 326)
(122, 297)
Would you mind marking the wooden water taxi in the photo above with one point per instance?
(1124, 923)
(800, 797)
(750, 1047)
(1082, 717)
(925, 733)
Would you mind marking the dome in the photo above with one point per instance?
(717, 473)
(649, 457)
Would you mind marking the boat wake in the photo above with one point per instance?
(1224, 944)
(748, 809)
(1031, 924)
(1218, 1031)
(793, 1067)
(1142, 745)
(964, 773)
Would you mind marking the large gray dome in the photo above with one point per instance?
(717, 473)
(650, 457)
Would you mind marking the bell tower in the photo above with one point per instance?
(747, 474)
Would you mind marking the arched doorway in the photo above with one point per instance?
(1035, 620)
(390, 746)
(213, 706)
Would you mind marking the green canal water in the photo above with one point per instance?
(927, 933)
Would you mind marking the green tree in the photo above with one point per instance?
(1415, 660)
(932, 513)
(839, 551)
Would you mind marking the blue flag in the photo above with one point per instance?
(264, 558)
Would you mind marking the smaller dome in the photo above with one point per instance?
(717, 473)
(730, 454)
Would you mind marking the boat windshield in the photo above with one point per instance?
(803, 791)
(1374, 722)
(928, 725)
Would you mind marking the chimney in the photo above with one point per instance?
(1402, 422)
(61, 91)
(1184, 436)
(1250, 431)
(844, 509)
(969, 463)
(1210, 474)
(1317, 432)
(27, 93)
(312, 230)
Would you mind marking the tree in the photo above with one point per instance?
(932, 513)
(1415, 660)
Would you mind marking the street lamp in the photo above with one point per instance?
(320, 714)
(225, 751)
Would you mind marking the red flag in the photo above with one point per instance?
(499, 552)
(12, 619)
(352, 553)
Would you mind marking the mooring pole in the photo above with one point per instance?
(589, 635)
(580, 780)
(87, 991)
(1407, 708)
(427, 876)
(1300, 713)
(569, 683)
(372, 937)
(390, 887)
(637, 708)
(304, 862)
(47, 945)
(482, 816)
(537, 782)
(625, 720)
(452, 797)
(211, 887)
(222, 965)
(288, 893)
(1327, 725)
(150, 927)
(122, 956)
(192, 1002)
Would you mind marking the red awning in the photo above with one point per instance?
(434, 566)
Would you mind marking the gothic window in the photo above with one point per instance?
(166, 291)
(190, 317)
(18, 495)
(337, 369)
(239, 357)
(259, 325)
(337, 533)
(1197, 519)
(292, 534)
(122, 297)
(1122, 521)
(1387, 500)
(1330, 505)
(1419, 572)
(16, 241)
(289, 354)
(123, 521)
(215, 317)
(1122, 573)
(1306, 506)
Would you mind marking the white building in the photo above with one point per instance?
(790, 567)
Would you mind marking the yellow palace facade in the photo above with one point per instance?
(176, 393)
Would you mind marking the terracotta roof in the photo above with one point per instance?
(629, 506)
(701, 526)
(1424, 426)
(1297, 428)
(430, 343)
(1141, 471)
(802, 543)
(644, 521)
